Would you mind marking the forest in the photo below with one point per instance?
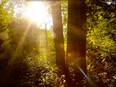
(57, 43)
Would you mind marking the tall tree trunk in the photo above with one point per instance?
(58, 35)
(76, 41)
(59, 41)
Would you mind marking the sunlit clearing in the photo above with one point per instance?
(38, 12)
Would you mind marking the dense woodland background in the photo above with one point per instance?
(78, 51)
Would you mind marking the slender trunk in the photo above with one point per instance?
(58, 35)
(46, 35)
(76, 41)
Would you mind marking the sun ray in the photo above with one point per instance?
(91, 83)
(17, 52)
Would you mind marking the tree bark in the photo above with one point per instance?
(76, 41)
(58, 35)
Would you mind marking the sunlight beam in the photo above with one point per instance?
(92, 84)
(17, 51)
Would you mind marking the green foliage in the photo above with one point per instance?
(33, 65)
(5, 16)
(101, 47)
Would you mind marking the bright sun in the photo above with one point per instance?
(38, 12)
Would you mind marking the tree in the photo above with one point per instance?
(58, 35)
(76, 41)
(76, 46)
